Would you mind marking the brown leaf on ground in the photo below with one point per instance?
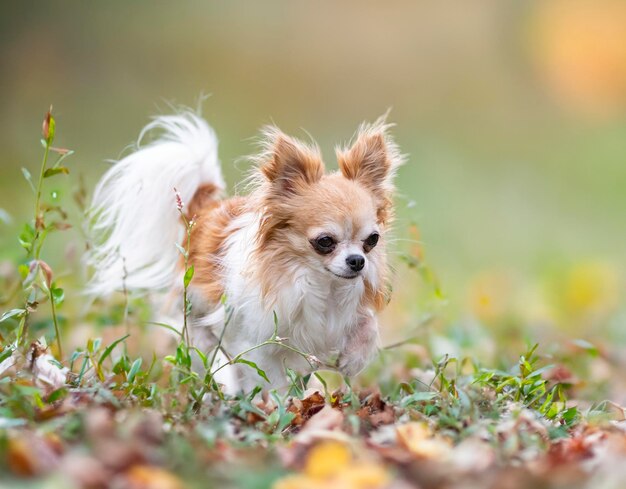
(375, 411)
(304, 409)
(327, 419)
(569, 450)
(149, 477)
(31, 455)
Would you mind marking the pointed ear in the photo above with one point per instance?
(373, 158)
(287, 163)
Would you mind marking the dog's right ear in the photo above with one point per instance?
(287, 163)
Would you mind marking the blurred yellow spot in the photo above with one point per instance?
(579, 48)
(490, 295)
(327, 459)
(591, 287)
(330, 465)
(418, 439)
(363, 476)
(150, 477)
(417, 250)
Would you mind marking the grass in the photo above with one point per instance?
(119, 411)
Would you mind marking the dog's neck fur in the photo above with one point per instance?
(320, 310)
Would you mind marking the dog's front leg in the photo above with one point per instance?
(361, 345)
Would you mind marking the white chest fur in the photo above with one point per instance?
(315, 311)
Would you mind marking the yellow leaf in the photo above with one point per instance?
(363, 476)
(419, 440)
(149, 477)
(327, 459)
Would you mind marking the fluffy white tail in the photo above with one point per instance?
(134, 221)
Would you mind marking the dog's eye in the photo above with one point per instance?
(324, 244)
(371, 241)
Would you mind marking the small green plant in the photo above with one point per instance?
(37, 275)
(529, 388)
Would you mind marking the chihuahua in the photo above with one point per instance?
(300, 258)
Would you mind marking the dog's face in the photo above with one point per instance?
(343, 229)
(332, 224)
(335, 229)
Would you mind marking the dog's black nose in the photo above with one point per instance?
(356, 262)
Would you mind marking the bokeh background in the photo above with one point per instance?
(513, 202)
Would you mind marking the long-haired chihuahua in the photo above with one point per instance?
(302, 255)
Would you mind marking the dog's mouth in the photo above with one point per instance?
(347, 276)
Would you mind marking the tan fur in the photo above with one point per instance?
(294, 196)
(206, 197)
(212, 228)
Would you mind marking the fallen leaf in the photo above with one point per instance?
(324, 420)
(30, 455)
(363, 476)
(150, 477)
(326, 459)
(331, 464)
(304, 409)
(419, 440)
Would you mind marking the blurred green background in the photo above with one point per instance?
(513, 114)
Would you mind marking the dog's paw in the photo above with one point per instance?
(351, 363)
(360, 348)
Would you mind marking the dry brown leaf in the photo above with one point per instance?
(305, 408)
(30, 455)
(47, 272)
(375, 412)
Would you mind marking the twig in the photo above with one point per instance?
(424, 322)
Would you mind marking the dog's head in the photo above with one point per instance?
(332, 224)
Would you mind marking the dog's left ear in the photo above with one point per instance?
(372, 159)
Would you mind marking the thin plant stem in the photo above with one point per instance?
(271, 341)
(188, 226)
(56, 323)
(125, 292)
(39, 184)
(221, 338)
